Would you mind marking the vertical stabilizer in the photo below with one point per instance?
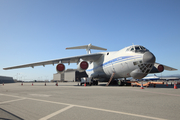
(87, 47)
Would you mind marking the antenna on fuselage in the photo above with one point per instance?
(88, 48)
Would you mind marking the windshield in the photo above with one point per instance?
(137, 48)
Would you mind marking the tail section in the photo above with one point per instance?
(87, 47)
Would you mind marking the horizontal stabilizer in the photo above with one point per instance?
(87, 47)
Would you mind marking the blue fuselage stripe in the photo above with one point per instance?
(116, 60)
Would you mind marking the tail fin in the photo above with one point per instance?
(87, 47)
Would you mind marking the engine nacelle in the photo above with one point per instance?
(157, 68)
(60, 68)
(82, 66)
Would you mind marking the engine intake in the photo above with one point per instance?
(157, 68)
(160, 68)
(82, 66)
(60, 67)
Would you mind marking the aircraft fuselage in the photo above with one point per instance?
(123, 63)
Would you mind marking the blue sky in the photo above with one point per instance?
(38, 30)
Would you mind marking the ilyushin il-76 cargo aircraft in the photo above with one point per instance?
(134, 61)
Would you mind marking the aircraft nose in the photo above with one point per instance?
(148, 57)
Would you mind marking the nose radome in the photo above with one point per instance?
(148, 57)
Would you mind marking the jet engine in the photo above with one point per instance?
(60, 67)
(157, 68)
(82, 66)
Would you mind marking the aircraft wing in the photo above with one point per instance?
(167, 67)
(74, 59)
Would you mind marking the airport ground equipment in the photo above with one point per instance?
(147, 84)
(88, 81)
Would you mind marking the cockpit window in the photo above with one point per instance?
(137, 48)
(141, 47)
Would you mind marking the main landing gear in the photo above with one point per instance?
(120, 82)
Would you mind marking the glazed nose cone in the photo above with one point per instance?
(148, 57)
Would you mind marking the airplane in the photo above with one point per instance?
(151, 78)
(134, 61)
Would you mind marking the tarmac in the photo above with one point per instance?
(68, 101)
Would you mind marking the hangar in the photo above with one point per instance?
(69, 75)
(5, 79)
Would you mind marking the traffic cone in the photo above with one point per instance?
(166, 83)
(142, 86)
(57, 84)
(175, 86)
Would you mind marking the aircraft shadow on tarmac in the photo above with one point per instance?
(5, 115)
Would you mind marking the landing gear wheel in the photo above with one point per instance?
(128, 84)
(95, 82)
(120, 83)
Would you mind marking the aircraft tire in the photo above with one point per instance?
(96, 82)
(121, 83)
(128, 84)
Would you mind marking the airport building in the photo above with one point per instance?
(5, 79)
(69, 75)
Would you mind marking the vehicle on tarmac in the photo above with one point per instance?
(88, 81)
